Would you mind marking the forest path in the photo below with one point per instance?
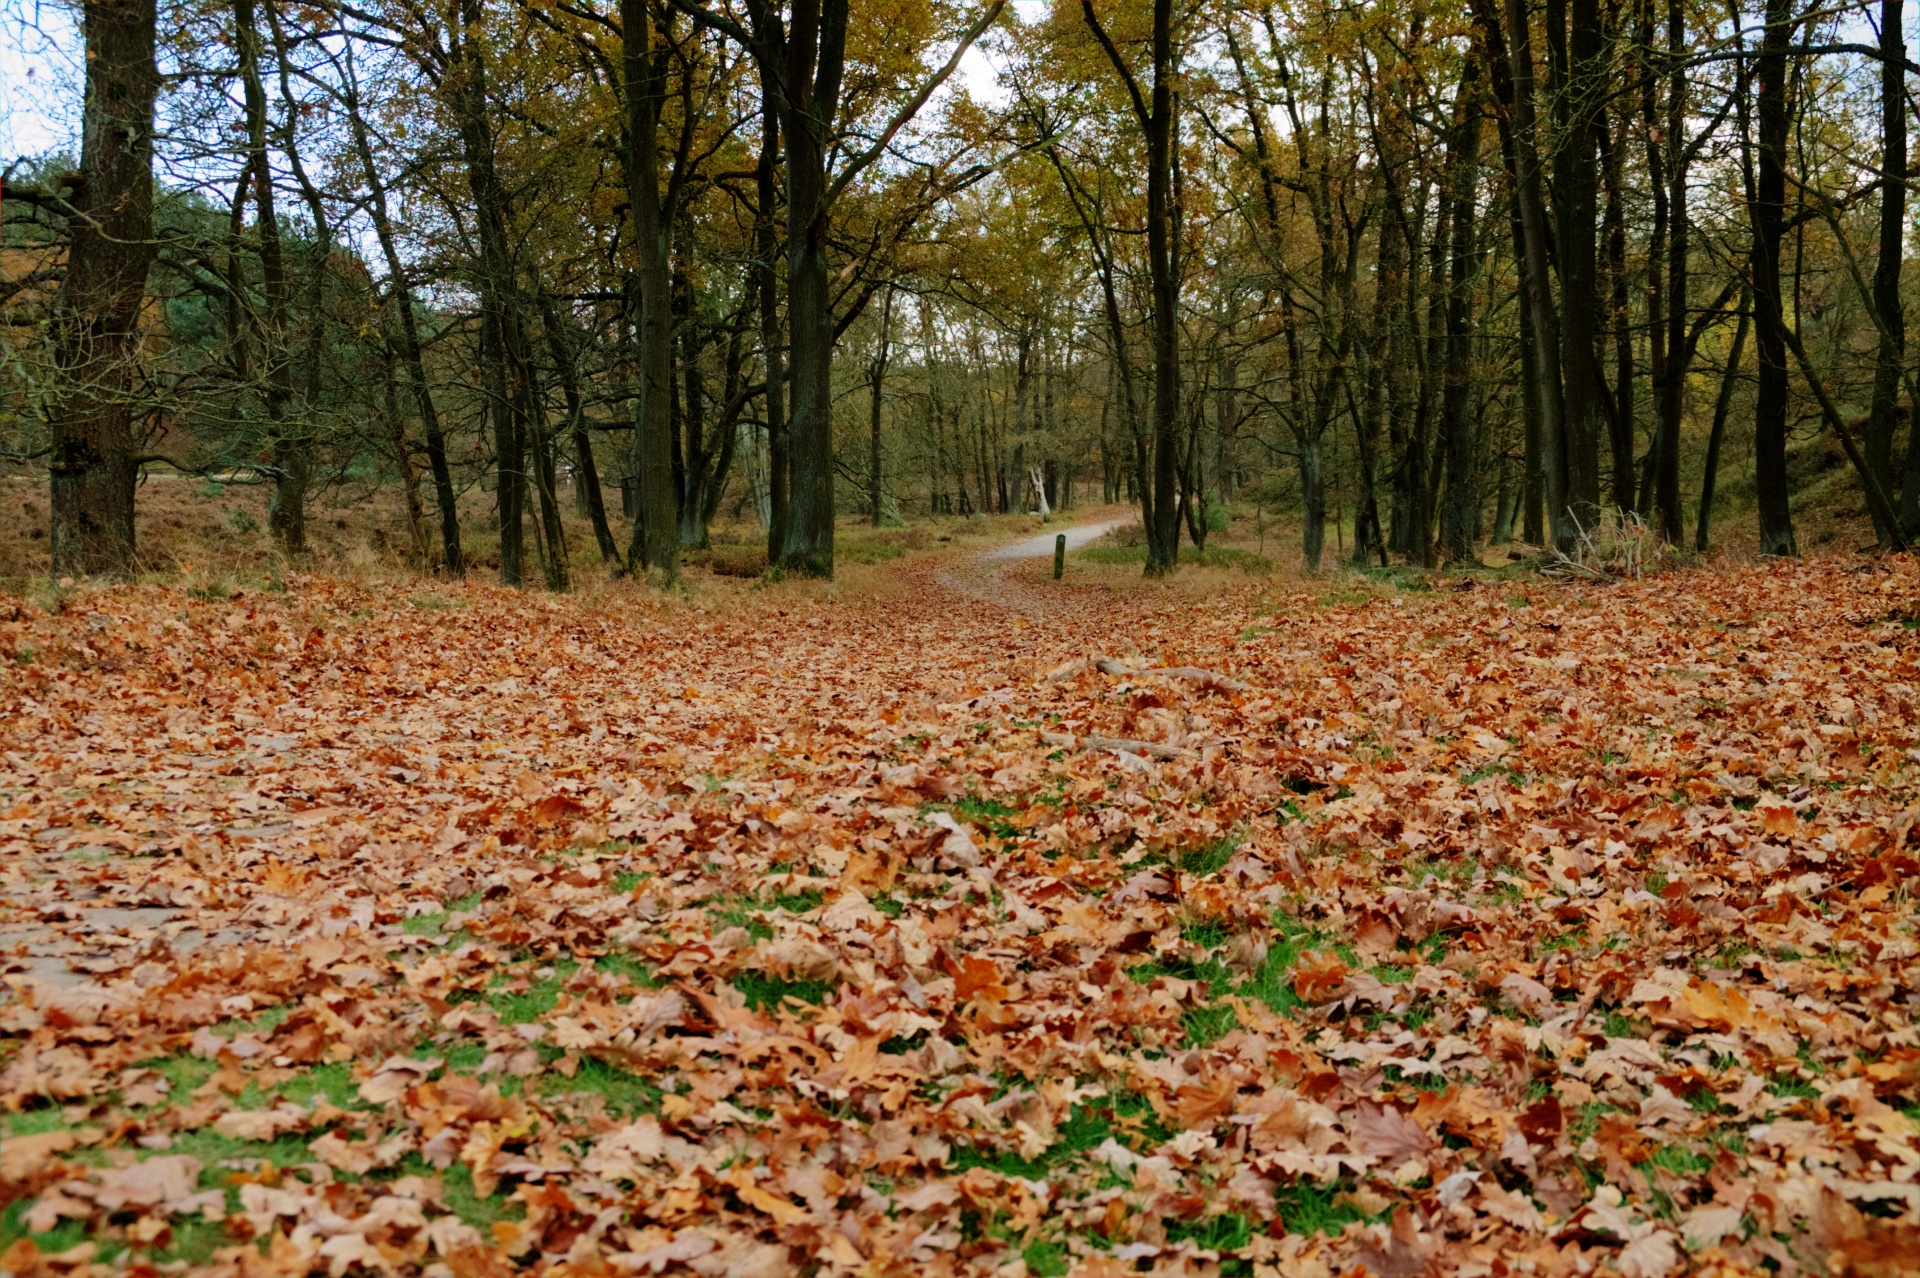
(1041, 545)
(988, 578)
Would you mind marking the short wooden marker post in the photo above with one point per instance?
(1059, 555)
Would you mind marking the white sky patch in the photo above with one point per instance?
(40, 58)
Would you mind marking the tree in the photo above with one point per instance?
(97, 319)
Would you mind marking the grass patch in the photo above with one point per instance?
(1227, 1232)
(989, 814)
(518, 1007)
(1211, 557)
(1087, 1127)
(625, 965)
(1046, 1259)
(1209, 1023)
(1209, 860)
(1315, 1209)
(626, 1094)
(766, 993)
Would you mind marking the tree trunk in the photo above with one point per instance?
(503, 343)
(287, 450)
(1885, 412)
(1703, 532)
(1770, 412)
(1669, 518)
(586, 472)
(1460, 514)
(656, 540)
(97, 315)
(403, 461)
(402, 295)
(809, 544)
(1580, 97)
(1537, 312)
(876, 374)
(766, 266)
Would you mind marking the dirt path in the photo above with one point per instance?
(1040, 545)
(989, 577)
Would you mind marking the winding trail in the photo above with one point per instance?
(1041, 545)
(987, 577)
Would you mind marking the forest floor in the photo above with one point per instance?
(952, 919)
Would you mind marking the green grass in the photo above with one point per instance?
(1087, 1127)
(333, 1080)
(1306, 1208)
(1789, 1086)
(1680, 1160)
(1228, 1232)
(1202, 862)
(628, 966)
(741, 914)
(626, 1094)
(767, 993)
(798, 902)
(989, 814)
(534, 1002)
(866, 552)
(1046, 1259)
(430, 923)
(1211, 557)
(1209, 1023)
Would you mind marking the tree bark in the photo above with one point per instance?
(96, 321)
(1157, 128)
(1711, 471)
(1770, 412)
(288, 454)
(1884, 416)
(586, 469)
(410, 351)
(876, 374)
(1579, 99)
(503, 344)
(1460, 512)
(1538, 311)
(766, 239)
(656, 540)
(1673, 383)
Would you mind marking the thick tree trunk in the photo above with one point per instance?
(97, 314)
(503, 342)
(809, 545)
(1620, 423)
(1460, 512)
(1770, 412)
(1538, 313)
(1885, 413)
(1669, 518)
(403, 462)
(1581, 96)
(766, 240)
(656, 540)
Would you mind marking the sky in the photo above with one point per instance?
(39, 91)
(39, 77)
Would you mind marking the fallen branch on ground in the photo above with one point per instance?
(1207, 678)
(1153, 748)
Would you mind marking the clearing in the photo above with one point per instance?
(964, 922)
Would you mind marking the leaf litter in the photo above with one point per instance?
(1405, 932)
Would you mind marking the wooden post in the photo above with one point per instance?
(1059, 555)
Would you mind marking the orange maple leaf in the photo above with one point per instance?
(976, 978)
